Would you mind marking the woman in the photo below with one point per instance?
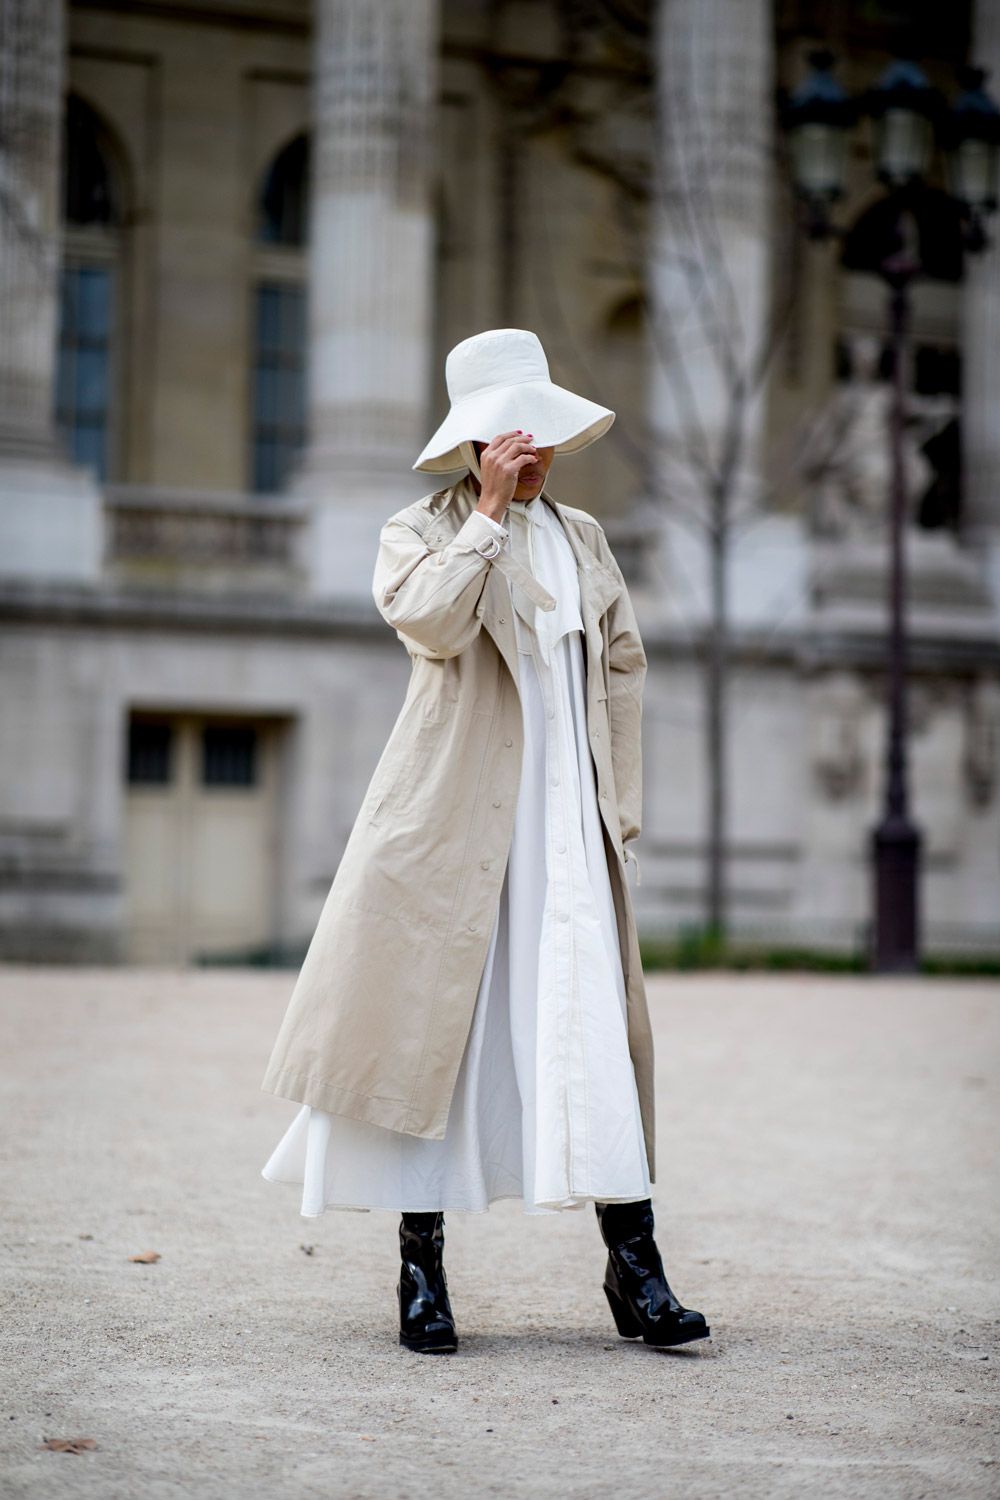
(470, 1021)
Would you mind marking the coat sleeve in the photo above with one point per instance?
(626, 679)
(430, 597)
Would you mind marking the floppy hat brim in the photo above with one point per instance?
(556, 418)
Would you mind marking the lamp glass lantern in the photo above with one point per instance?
(905, 109)
(818, 117)
(819, 160)
(974, 146)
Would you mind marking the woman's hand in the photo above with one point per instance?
(500, 464)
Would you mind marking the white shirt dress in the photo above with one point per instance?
(545, 1107)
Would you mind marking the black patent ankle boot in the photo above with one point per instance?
(638, 1292)
(426, 1324)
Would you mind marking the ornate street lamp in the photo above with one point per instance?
(818, 117)
(907, 113)
(910, 119)
(972, 137)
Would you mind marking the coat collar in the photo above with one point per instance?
(533, 510)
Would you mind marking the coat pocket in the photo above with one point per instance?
(404, 776)
(443, 687)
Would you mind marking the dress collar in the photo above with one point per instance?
(534, 508)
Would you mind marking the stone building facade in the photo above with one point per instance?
(237, 239)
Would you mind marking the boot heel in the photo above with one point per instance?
(627, 1324)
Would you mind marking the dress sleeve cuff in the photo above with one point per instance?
(498, 528)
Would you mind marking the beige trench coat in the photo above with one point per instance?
(378, 1019)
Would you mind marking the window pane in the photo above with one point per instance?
(91, 382)
(93, 303)
(87, 448)
(266, 394)
(295, 312)
(83, 373)
(150, 753)
(229, 755)
(265, 467)
(290, 404)
(279, 390)
(268, 319)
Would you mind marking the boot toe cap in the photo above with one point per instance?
(679, 1328)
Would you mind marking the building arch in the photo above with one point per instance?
(282, 203)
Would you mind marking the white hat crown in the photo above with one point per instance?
(500, 357)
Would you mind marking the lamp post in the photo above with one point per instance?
(910, 118)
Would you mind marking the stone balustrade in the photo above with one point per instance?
(172, 536)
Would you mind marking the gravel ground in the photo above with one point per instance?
(827, 1197)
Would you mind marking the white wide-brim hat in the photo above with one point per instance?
(499, 381)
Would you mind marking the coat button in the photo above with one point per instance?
(508, 741)
(500, 619)
(604, 794)
(496, 804)
(484, 864)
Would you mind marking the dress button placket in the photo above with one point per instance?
(565, 864)
(562, 936)
(560, 904)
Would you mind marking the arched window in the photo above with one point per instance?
(278, 416)
(91, 194)
(283, 204)
(93, 211)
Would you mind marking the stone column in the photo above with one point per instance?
(981, 335)
(370, 288)
(50, 513)
(708, 273)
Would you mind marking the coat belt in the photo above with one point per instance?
(519, 574)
